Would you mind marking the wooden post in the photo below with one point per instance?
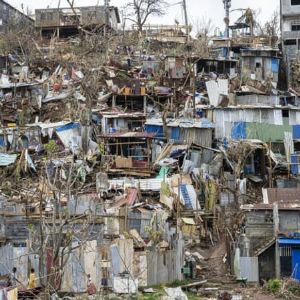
(270, 169)
(126, 217)
(148, 151)
(145, 104)
(114, 101)
(178, 207)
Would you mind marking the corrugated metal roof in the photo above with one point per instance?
(68, 126)
(7, 159)
(132, 194)
(111, 114)
(129, 134)
(282, 194)
(289, 241)
(182, 122)
(292, 205)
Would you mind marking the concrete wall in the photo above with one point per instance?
(289, 14)
(289, 221)
(260, 222)
(288, 9)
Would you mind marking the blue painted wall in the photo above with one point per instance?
(159, 130)
(239, 131)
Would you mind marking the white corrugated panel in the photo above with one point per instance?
(150, 184)
(294, 117)
(213, 92)
(219, 123)
(223, 86)
(227, 130)
(278, 117)
(249, 268)
(153, 184)
(215, 89)
(298, 117)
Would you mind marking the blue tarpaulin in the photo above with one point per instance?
(2, 140)
(275, 65)
(68, 127)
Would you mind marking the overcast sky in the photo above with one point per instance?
(197, 9)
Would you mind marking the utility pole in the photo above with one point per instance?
(106, 5)
(227, 5)
(186, 19)
(275, 233)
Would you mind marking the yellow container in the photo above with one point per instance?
(127, 91)
(143, 91)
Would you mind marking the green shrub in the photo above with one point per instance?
(274, 286)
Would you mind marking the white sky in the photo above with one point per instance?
(197, 9)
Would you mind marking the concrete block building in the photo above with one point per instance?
(290, 30)
(65, 21)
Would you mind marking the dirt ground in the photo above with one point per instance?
(261, 296)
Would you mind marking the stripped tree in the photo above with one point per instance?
(140, 10)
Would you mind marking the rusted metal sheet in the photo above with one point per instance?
(272, 195)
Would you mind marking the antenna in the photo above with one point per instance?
(186, 18)
(227, 5)
(106, 5)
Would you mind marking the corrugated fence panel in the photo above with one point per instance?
(295, 162)
(249, 268)
(20, 261)
(6, 259)
(175, 133)
(202, 136)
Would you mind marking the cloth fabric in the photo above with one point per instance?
(31, 284)
(12, 294)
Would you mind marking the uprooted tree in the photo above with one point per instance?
(140, 10)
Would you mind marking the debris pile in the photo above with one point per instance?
(129, 165)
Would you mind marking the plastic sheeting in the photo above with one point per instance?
(122, 285)
(188, 196)
(7, 159)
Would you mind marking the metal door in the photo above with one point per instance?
(296, 263)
